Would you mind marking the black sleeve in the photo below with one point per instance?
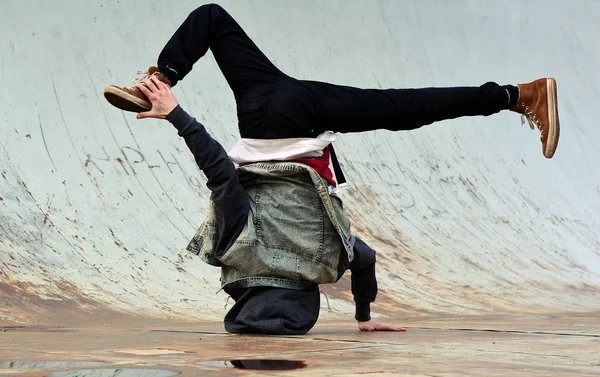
(231, 201)
(364, 281)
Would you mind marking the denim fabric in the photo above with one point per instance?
(294, 234)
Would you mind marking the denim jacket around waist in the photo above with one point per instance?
(294, 234)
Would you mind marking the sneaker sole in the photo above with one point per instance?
(124, 101)
(553, 120)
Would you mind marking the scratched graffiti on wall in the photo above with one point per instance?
(131, 160)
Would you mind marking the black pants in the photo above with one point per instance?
(271, 104)
(273, 311)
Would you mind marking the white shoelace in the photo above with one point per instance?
(531, 118)
(142, 75)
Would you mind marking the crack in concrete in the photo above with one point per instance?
(193, 332)
(508, 331)
(12, 328)
(355, 341)
(299, 338)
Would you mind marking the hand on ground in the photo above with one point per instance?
(160, 95)
(374, 326)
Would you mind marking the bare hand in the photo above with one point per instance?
(374, 326)
(160, 95)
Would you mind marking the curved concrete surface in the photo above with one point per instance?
(467, 215)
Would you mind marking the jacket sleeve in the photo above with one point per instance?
(363, 279)
(230, 199)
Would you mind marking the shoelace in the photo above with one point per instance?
(531, 118)
(142, 75)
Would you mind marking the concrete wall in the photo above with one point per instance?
(467, 215)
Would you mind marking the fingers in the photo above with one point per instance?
(386, 327)
(383, 327)
(152, 86)
(393, 328)
(151, 114)
(374, 326)
(159, 84)
(151, 82)
(147, 114)
(144, 89)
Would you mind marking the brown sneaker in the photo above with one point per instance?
(538, 103)
(131, 98)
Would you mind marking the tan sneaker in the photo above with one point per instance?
(538, 103)
(131, 98)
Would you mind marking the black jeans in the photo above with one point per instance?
(271, 104)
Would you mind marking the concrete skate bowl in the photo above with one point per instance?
(467, 216)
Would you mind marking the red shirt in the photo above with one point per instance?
(321, 165)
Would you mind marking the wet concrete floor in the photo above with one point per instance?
(567, 345)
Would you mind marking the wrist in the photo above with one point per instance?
(173, 113)
(363, 311)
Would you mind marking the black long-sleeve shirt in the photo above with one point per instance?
(232, 207)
